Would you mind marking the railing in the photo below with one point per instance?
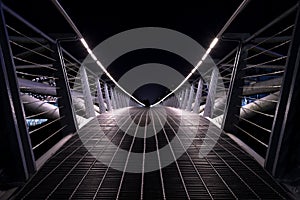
(57, 93)
(261, 80)
(34, 58)
(90, 94)
(37, 58)
(255, 70)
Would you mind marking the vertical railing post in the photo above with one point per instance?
(125, 101)
(233, 103)
(116, 99)
(65, 105)
(175, 102)
(191, 97)
(210, 100)
(172, 102)
(121, 100)
(88, 101)
(100, 96)
(198, 96)
(113, 99)
(181, 97)
(283, 151)
(107, 99)
(186, 96)
(15, 145)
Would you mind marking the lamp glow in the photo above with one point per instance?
(93, 56)
(213, 43)
(82, 40)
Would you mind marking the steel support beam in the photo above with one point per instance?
(113, 99)
(181, 98)
(116, 99)
(235, 90)
(191, 97)
(63, 91)
(107, 99)
(124, 100)
(88, 101)
(210, 100)
(120, 100)
(198, 96)
(185, 99)
(100, 97)
(15, 145)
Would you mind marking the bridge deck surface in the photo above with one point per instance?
(223, 172)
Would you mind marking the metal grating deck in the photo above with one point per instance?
(226, 172)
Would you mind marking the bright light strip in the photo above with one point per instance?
(213, 43)
(211, 46)
(206, 54)
(93, 56)
(82, 40)
(105, 71)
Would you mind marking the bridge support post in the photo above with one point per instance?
(176, 102)
(63, 90)
(173, 102)
(282, 159)
(15, 145)
(100, 96)
(210, 100)
(119, 99)
(198, 96)
(113, 100)
(89, 106)
(186, 96)
(232, 108)
(107, 99)
(126, 100)
(181, 97)
(123, 100)
(191, 97)
(116, 99)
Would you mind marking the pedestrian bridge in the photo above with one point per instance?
(222, 128)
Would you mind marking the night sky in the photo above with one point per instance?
(200, 20)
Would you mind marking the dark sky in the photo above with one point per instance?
(200, 20)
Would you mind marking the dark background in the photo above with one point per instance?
(98, 20)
